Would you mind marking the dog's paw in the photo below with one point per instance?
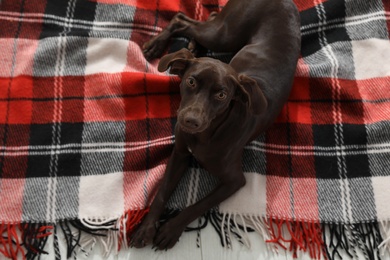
(168, 235)
(144, 235)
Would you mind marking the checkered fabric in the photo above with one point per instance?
(86, 125)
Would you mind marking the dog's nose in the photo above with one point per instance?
(192, 122)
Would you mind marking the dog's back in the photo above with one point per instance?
(271, 56)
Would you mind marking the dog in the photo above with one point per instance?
(223, 106)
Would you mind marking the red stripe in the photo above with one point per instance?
(286, 194)
(115, 97)
(26, 30)
(374, 88)
(305, 191)
(133, 190)
(306, 4)
(278, 196)
(361, 101)
(386, 4)
(16, 166)
(11, 199)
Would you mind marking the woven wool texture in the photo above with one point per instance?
(86, 123)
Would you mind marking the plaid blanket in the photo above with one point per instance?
(86, 127)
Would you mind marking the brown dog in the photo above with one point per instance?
(223, 106)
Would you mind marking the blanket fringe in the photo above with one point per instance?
(297, 236)
(294, 236)
(24, 241)
(127, 225)
(28, 240)
(110, 234)
(384, 246)
(319, 241)
(358, 241)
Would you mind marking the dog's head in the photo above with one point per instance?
(207, 88)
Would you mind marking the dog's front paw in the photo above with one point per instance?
(168, 235)
(144, 235)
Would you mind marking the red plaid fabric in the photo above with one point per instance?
(86, 123)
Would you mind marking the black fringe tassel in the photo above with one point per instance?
(351, 239)
(34, 238)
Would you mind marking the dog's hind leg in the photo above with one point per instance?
(208, 34)
(155, 47)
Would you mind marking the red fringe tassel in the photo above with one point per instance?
(294, 236)
(129, 222)
(17, 240)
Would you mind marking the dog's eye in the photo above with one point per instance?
(221, 95)
(191, 82)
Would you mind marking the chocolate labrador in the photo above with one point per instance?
(223, 106)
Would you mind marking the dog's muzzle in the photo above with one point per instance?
(192, 121)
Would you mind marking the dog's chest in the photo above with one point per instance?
(195, 151)
(204, 154)
(206, 149)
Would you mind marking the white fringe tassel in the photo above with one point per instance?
(384, 247)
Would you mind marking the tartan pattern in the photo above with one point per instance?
(86, 124)
(65, 119)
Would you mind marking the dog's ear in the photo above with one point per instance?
(250, 92)
(177, 62)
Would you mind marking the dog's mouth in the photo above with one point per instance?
(190, 130)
